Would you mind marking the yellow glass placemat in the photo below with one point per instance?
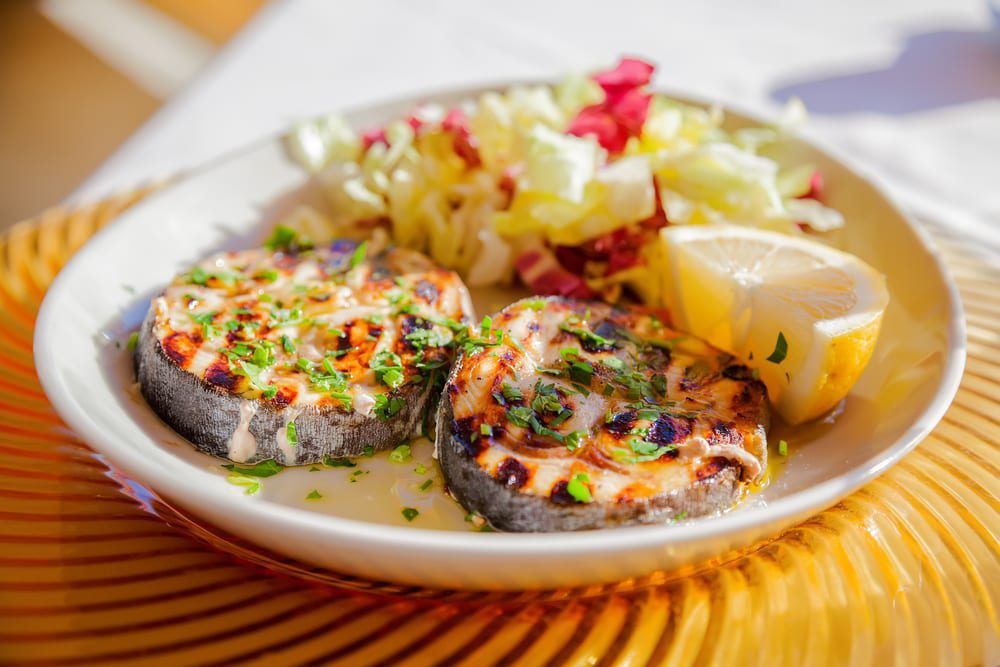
(93, 570)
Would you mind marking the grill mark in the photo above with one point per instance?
(560, 495)
(427, 291)
(621, 423)
(738, 372)
(180, 348)
(219, 375)
(462, 429)
(410, 324)
(667, 430)
(512, 473)
(286, 395)
(725, 434)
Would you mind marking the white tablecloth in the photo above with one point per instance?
(907, 90)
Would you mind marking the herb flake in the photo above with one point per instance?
(780, 349)
(577, 487)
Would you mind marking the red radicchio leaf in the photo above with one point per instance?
(598, 121)
(508, 179)
(619, 250)
(540, 271)
(659, 217)
(631, 109)
(623, 112)
(572, 258)
(415, 123)
(815, 187)
(629, 73)
(465, 144)
(372, 136)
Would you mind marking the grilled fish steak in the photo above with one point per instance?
(585, 415)
(299, 354)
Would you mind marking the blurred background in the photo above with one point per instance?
(908, 89)
(71, 90)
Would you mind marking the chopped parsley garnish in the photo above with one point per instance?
(636, 385)
(204, 320)
(581, 372)
(472, 345)
(780, 349)
(286, 239)
(534, 304)
(263, 354)
(421, 469)
(587, 336)
(292, 434)
(401, 454)
(426, 485)
(421, 338)
(577, 487)
(546, 398)
(368, 451)
(288, 344)
(510, 392)
(200, 276)
(520, 416)
(388, 368)
(334, 462)
(573, 439)
(250, 485)
(569, 353)
(410, 513)
(386, 407)
(286, 317)
(643, 451)
(314, 495)
(782, 448)
(680, 516)
(485, 430)
(333, 382)
(359, 255)
(263, 469)
(133, 340)
(614, 363)
(253, 371)
(270, 275)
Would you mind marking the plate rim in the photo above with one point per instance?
(802, 503)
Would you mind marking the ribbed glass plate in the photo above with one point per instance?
(94, 570)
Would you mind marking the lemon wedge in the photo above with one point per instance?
(805, 315)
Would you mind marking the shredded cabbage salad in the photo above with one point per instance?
(563, 187)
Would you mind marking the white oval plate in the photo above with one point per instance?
(357, 528)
